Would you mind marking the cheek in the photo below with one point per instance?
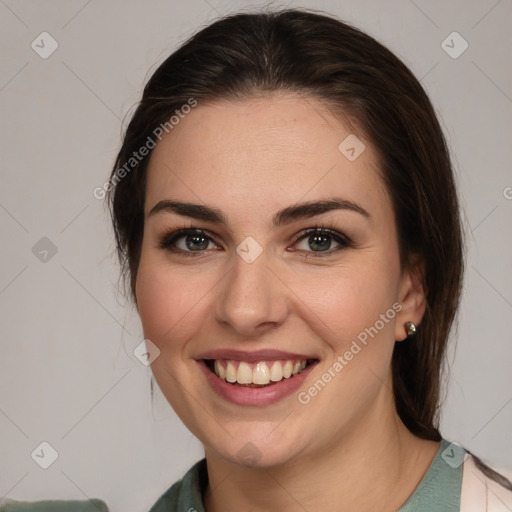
(168, 304)
(353, 311)
(353, 304)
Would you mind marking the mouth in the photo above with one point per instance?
(257, 374)
(255, 378)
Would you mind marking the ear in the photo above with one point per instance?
(411, 295)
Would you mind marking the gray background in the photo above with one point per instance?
(68, 375)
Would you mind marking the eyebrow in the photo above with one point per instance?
(282, 217)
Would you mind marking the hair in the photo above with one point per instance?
(252, 54)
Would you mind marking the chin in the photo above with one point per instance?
(254, 449)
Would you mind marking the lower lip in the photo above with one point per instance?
(241, 395)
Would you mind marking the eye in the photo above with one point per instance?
(321, 239)
(193, 242)
(189, 242)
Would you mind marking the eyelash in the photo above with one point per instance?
(168, 239)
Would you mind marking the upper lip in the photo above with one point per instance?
(253, 356)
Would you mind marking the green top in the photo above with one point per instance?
(438, 490)
(93, 505)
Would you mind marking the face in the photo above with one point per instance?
(291, 259)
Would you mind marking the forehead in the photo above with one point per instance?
(258, 154)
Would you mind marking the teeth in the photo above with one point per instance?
(230, 372)
(244, 374)
(260, 374)
(276, 372)
(219, 370)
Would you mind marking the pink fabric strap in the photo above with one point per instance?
(481, 494)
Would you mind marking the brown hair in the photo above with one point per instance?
(243, 55)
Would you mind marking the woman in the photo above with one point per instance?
(285, 210)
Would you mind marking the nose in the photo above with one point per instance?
(251, 298)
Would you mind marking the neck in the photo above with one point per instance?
(375, 466)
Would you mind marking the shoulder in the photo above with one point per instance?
(481, 493)
(168, 501)
(93, 505)
(185, 494)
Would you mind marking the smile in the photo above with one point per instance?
(256, 374)
(255, 378)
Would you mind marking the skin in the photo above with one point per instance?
(347, 449)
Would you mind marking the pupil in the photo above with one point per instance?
(315, 239)
(194, 239)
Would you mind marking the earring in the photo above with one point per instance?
(410, 328)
